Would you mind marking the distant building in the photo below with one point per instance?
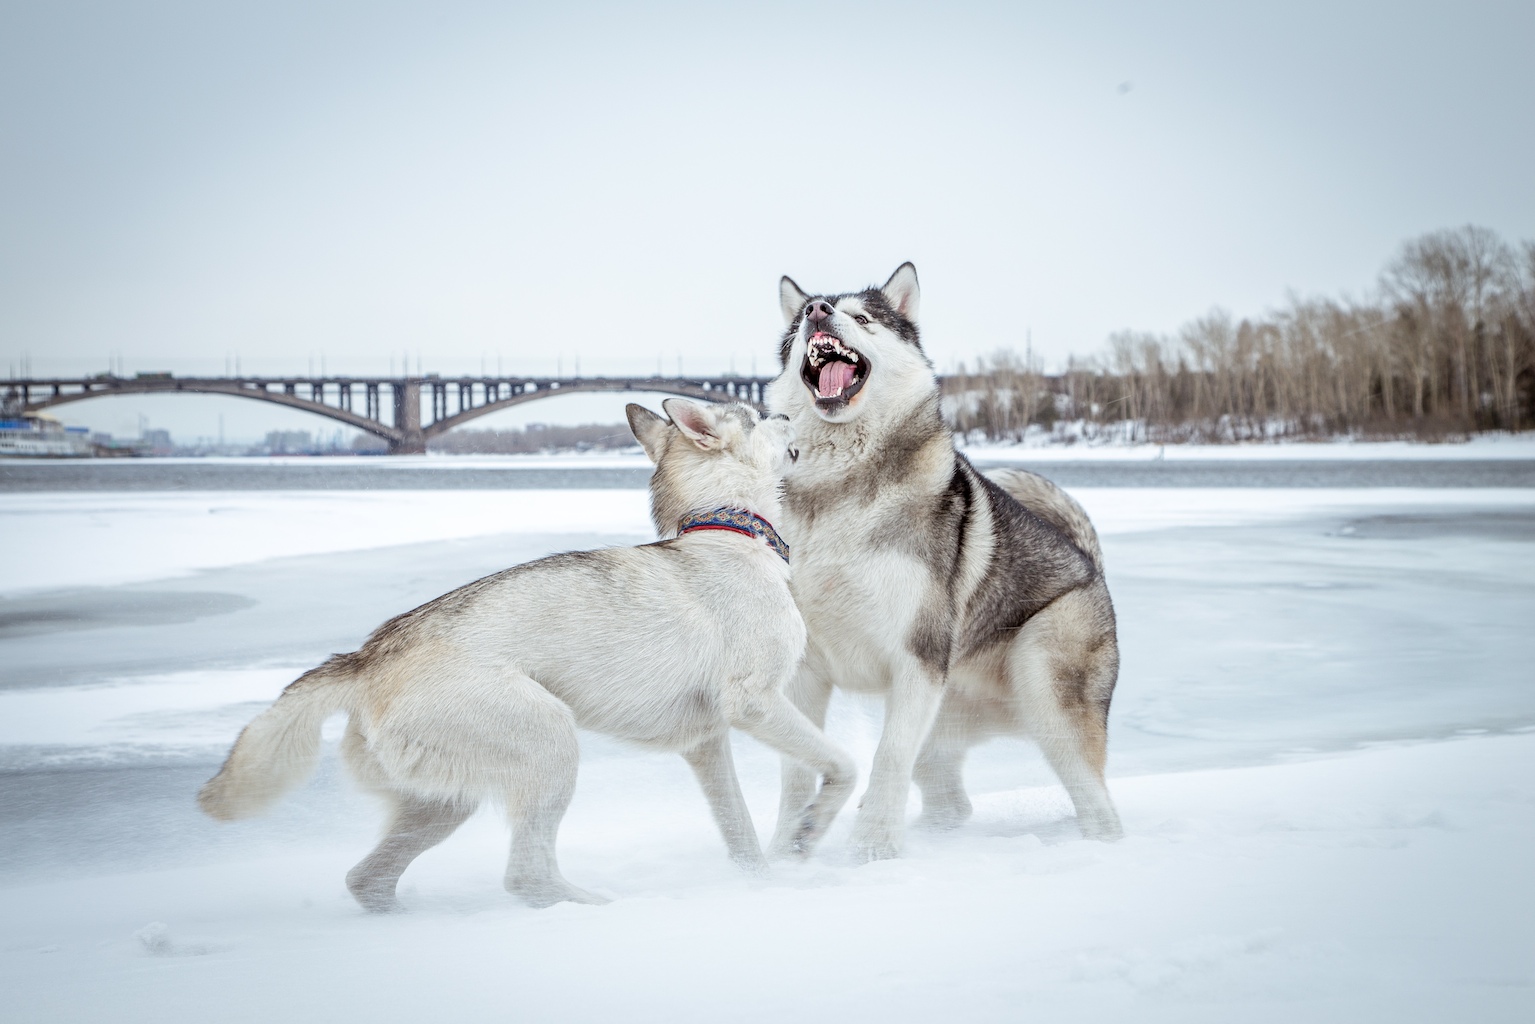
(289, 442)
(41, 436)
(107, 446)
(157, 442)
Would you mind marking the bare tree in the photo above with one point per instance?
(1447, 345)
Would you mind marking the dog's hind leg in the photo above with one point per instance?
(939, 771)
(546, 755)
(812, 695)
(1064, 665)
(715, 768)
(416, 825)
(786, 729)
(1074, 743)
(532, 870)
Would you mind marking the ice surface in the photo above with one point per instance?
(92, 539)
(57, 540)
(1322, 747)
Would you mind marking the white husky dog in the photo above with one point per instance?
(478, 694)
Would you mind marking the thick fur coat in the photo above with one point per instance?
(976, 605)
(477, 695)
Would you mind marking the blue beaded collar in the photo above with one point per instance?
(737, 520)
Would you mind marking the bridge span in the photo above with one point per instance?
(404, 411)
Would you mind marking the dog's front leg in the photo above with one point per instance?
(812, 695)
(712, 762)
(910, 707)
(785, 728)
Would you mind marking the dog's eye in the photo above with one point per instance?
(862, 320)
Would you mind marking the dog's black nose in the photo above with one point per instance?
(818, 310)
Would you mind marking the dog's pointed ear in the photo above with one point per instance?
(649, 430)
(901, 291)
(696, 422)
(791, 299)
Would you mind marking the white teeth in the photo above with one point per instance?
(819, 353)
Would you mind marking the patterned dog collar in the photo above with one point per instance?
(737, 520)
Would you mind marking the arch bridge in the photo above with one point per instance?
(407, 412)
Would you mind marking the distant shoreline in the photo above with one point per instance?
(1094, 468)
(1486, 446)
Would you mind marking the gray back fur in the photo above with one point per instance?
(1045, 499)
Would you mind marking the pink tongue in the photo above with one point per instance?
(835, 377)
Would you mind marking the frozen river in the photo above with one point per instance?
(1322, 743)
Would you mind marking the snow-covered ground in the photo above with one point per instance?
(1323, 746)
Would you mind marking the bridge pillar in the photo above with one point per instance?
(407, 420)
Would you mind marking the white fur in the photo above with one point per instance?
(478, 695)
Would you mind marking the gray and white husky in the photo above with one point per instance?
(478, 694)
(976, 605)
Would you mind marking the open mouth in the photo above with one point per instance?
(833, 371)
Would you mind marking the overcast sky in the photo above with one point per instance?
(623, 184)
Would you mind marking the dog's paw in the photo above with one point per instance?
(575, 895)
(789, 842)
(753, 864)
(372, 895)
(1104, 829)
(785, 849)
(381, 905)
(870, 844)
(941, 819)
(543, 892)
(806, 836)
(865, 853)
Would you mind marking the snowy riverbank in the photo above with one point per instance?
(1322, 745)
(1385, 885)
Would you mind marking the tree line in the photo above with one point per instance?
(535, 437)
(1444, 345)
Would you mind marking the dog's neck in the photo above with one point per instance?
(910, 449)
(678, 491)
(736, 520)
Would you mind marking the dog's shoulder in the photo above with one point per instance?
(1032, 561)
(1045, 499)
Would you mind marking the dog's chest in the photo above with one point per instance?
(858, 598)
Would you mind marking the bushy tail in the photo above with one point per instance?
(277, 750)
(1046, 499)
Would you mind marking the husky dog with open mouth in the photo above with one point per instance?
(976, 605)
(477, 695)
